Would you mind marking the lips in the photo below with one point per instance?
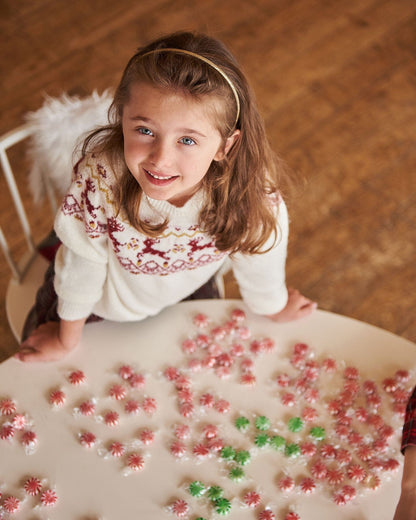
(159, 180)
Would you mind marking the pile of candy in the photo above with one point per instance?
(341, 438)
(16, 426)
(34, 494)
(356, 449)
(214, 497)
(122, 401)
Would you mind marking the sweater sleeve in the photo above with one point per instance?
(261, 277)
(81, 225)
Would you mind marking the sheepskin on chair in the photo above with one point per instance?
(59, 128)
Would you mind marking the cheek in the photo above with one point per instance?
(206, 161)
(132, 150)
(196, 167)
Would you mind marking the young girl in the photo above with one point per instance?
(180, 180)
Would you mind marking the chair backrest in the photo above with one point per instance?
(7, 141)
(30, 268)
(53, 132)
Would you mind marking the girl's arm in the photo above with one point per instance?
(406, 508)
(80, 263)
(261, 279)
(51, 341)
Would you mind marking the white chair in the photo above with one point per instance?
(28, 271)
(52, 133)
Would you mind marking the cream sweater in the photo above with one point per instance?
(106, 267)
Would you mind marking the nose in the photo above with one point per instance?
(161, 154)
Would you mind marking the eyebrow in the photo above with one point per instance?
(181, 130)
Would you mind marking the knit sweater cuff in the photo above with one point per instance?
(74, 311)
(267, 304)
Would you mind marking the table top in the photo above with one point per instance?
(91, 483)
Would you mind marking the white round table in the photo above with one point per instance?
(90, 483)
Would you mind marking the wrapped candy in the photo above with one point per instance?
(117, 392)
(210, 431)
(7, 432)
(238, 315)
(222, 506)
(33, 486)
(57, 398)
(307, 485)
(182, 431)
(7, 407)
(180, 508)
(11, 504)
(189, 346)
(267, 514)
(292, 516)
(149, 405)
(135, 462)
(356, 473)
(178, 449)
(19, 421)
(112, 418)
(252, 499)
(77, 377)
(201, 451)
(125, 372)
(132, 407)
(29, 439)
(49, 498)
(87, 439)
(197, 488)
(201, 320)
(137, 381)
(117, 449)
(222, 406)
(147, 436)
(87, 408)
(286, 484)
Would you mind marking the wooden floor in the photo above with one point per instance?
(336, 82)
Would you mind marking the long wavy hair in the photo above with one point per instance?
(238, 211)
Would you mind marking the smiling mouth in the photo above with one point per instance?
(160, 177)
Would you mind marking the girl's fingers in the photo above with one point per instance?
(307, 309)
(27, 355)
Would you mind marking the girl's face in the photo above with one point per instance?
(170, 142)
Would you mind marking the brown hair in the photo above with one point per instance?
(238, 210)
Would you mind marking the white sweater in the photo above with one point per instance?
(106, 267)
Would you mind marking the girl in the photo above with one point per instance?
(180, 180)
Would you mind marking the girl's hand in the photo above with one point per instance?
(298, 306)
(45, 344)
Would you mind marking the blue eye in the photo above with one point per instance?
(188, 141)
(145, 131)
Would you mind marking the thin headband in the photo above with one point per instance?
(211, 64)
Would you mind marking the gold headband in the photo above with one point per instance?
(211, 64)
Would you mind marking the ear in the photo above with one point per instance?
(229, 142)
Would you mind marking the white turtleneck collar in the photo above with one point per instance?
(187, 213)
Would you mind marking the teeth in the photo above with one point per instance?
(158, 177)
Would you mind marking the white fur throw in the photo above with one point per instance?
(59, 128)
